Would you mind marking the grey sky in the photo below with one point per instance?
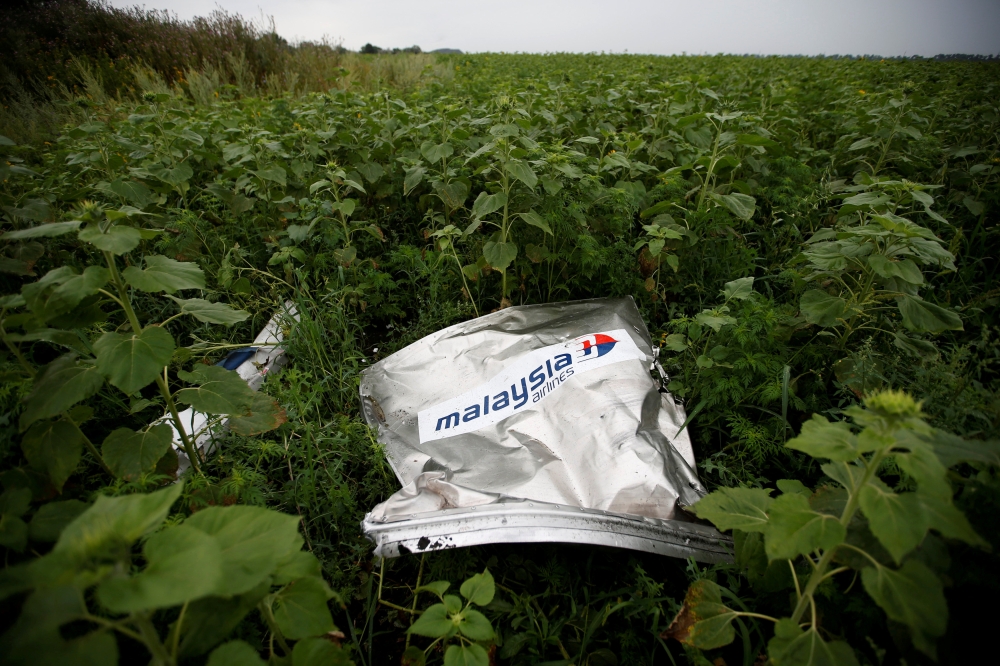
(886, 27)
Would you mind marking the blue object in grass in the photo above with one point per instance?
(237, 357)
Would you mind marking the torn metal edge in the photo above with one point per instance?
(523, 521)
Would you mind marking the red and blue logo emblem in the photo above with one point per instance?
(595, 346)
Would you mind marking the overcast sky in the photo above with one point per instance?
(812, 27)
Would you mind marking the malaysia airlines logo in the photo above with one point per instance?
(528, 379)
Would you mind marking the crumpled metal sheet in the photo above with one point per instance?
(532, 424)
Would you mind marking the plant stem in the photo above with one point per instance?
(413, 610)
(152, 641)
(90, 445)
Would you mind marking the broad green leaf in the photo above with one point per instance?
(739, 289)
(13, 532)
(265, 415)
(218, 391)
(15, 501)
(132, 361)
(319, 652)
(438, 587)
(897, 520)
(129, 453)
(488, 203)
(163, 274)
(499, 255)
(793, 486)
(924, 317)
(791, 646)
(299, 564)
(36, 637)
(53, 447)
(182, 564)
(952, 449)
(117, 239)
(174, 175)
(479, 589)
(454, 193)
(466, 655)
(43, 230)
(714, 320)
(132, 191)
(794, 528)
(536, 220)
(475, 626)
(736, 508)
(235, 653)
(346, 206)
(414, 656)
(254, 542)
(826, 439)
(211, 313)
(522, 172)
(413, 178)
(433, 623)
(946, 518)
(275, 174)
(914, 346)
(912, 595)
(113, 523)
(740, 205)
(905, 270)
(704, 621)
(822, 309)
(210, 620)
(51, 518)
(300, 609)
(435, 153)
(60, 385)
(62, 289)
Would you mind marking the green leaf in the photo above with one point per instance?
(475, 626)
(265, 415)
(499, 255)
(703, 622)
(521, 171)
(536, 220)
(132, 191)
(479, 589)
(924, 317)
(211, 313)
(740, 205)
(739, 289)
(210, 620)
(952, 449)
(413, 178)
(218, 391)
(235, 653)
(822, 309)
(319, 652)
(914, 346)
(736, 508)
(163, 274)
(438, 587)
(13, 532)
(897, 520)
(299, 564)
(793, 486)
(905, 270)
(791, 646)
(43, 230)
(60, 385)
(488, 203)
(53, 447)
(117, 239)
(300, 609)
(912, 595)
(132, 361)
(182, 564)
(945, 517)
(826, 439)
(275, 174)
(50, 520)
(62, 289)
(433, 623)
(129, 453)
(795, 529)
(466, 655)
(413, 656)
(435, 153)
(113, 523)
(175, 175)
(254, 542)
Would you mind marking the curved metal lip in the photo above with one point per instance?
(523, 521)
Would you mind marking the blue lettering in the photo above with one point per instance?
(503, 401)
(446, 420)
(524, 395)
(563, 360)
(537, 378)
(471, 413)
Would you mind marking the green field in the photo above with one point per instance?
(813, 241)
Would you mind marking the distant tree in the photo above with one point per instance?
(370, 48)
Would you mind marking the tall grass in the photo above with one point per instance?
(60, 56)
